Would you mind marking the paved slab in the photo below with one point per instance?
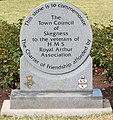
(64, 112)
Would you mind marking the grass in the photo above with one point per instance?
(91, 117)
(98, 11)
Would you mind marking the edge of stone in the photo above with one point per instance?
(57, 112)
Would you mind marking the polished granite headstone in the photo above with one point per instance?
(56, 68)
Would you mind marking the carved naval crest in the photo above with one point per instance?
(82, 83)
(29, 81)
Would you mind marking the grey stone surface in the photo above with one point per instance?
(73, 36)
(56, 112)
(56, 37)
(56, 100)
(56, 69)
(48, 82)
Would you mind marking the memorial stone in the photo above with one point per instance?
(56, 39)
(56, 68)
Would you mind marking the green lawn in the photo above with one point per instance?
(99, 11)
(91, 117)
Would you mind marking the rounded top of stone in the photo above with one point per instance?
(56, 37)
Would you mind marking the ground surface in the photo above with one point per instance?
(98, 11)
(91, 117)
(107, 89)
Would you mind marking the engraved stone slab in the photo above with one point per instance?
(31, 79)
(56, 37)
(56, 69)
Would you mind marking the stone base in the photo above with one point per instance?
(56, 100)
(56, 103)
(56, 112)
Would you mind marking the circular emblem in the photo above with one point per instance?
(56, 37)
